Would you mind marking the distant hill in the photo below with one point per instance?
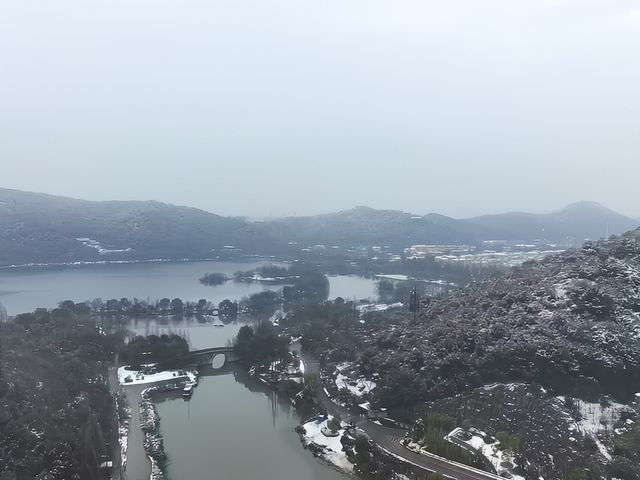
(366, 226)
(362, 225)
(39, 228)
(573, 224)
(44, 228)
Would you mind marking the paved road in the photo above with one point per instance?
(388, 439)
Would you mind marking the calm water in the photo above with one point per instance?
(23, 290)
(233, 427)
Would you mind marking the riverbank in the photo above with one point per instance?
(238, 424)
(124, 424)
(321, 434)
(144, 439)
(317, 436)
(81, 263)
(153, 441)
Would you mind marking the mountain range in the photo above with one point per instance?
(41, 228)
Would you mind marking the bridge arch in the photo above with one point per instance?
(207, 356)
(219, 360)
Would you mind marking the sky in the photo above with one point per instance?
(286, 107)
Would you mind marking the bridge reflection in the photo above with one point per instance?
(202, 358)
(279, 403)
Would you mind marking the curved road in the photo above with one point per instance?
(388, 439)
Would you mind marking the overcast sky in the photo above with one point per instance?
(271, 107)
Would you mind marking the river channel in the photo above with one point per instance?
(233, 427)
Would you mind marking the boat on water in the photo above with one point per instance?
(187, 391)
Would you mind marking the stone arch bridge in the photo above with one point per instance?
(204, 357)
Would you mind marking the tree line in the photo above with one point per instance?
(163, 306)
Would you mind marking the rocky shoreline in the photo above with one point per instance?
(124, 417)
(153, 442)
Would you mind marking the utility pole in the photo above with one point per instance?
(353, 316)
(414, 302)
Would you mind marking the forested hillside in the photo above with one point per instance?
(367, 226)
(549, 336)
(57, 417)
(570, 322)
(46, 228)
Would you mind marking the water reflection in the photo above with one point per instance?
(234, 427)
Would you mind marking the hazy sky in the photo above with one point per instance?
(270, 107)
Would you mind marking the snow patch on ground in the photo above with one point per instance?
(124, 417)
(377, 307)
(596, 419)
(134, 377)
(507, 386)
(561, 289)
(357, 387)
(88, 242)
(341, 367)
(500, 459)
(332, 448)
(123, 441)
(396, 277)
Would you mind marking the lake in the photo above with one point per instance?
(25, 289)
